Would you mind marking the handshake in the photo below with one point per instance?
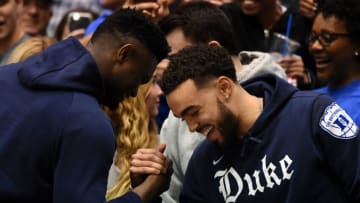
(150, 172)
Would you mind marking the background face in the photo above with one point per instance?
(152, 99)
(332, 61)
(35, 15)
(125, 78)
(8, 15)
(177, 40)
(199, 108)
(112, 4)
(255, 7)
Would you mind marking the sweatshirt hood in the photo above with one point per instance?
(276, 93)
(258, 63)
(64, 66)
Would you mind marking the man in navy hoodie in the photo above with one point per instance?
(266, 140)
(56, 143)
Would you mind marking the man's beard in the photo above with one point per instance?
(228, 126)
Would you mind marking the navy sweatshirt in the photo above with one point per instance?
(302, 148)
(56, 143)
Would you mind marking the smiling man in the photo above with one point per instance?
(263, 136)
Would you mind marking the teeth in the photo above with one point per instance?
(207, 130)
(321, 62)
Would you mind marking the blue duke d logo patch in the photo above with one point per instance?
(338, 123)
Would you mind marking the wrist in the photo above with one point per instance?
(145, 192)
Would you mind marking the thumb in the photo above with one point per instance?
(162, 147)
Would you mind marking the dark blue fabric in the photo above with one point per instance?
(56, 143)
(163, 111)
(285, 157)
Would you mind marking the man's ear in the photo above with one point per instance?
(214, 43)
(224, 87)
(125, 52)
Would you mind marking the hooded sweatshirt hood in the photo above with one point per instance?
(276, 93)
(257, 63)
(49, 70)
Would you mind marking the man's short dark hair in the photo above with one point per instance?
(344, 10)
(128, 23)
(201, 22)
(199, 63)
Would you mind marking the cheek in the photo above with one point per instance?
(211, 116)
(151, 106)
(44, 16)
(341, 57)
(148, 102)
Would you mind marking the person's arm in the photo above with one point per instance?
(339, 143)
(85, 151)
(169, 136)
(180, 144)
(295, 68)
(150, 173)
(193, 185)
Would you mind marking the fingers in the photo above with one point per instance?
(162, 147)
(308, 8)
(145, 6)
(146, 167)
(216, 2)
(149, 161)
(78, 33)
(85, 40)
(293, 66)
(156, 10)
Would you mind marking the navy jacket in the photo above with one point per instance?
(302, 148)
(56, 143)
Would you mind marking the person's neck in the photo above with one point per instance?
(250, 109)
(349, 78)
(237, 63)
(270, 16)
(9, 41)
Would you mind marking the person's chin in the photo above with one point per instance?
(323, 76)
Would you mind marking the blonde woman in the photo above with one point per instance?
(30, 47)
(134, 122)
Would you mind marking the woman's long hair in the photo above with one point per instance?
(134, 129)
(30, 47)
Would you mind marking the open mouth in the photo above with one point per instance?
(322, 63)
(206, 131)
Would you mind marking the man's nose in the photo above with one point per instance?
(192, 125)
